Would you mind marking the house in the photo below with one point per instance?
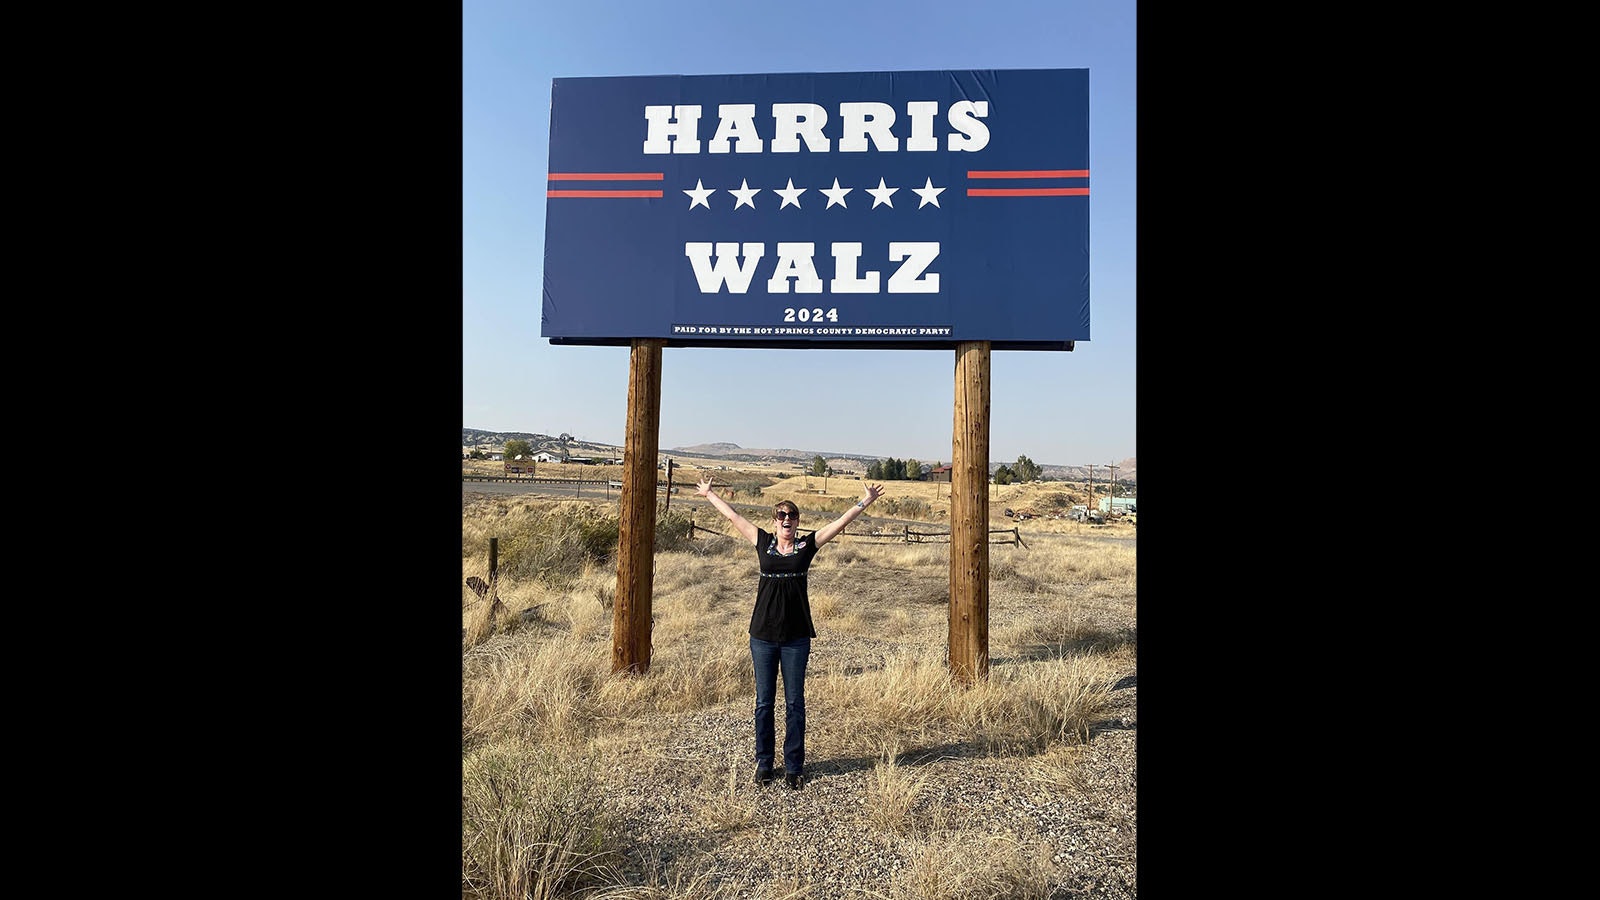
(940, 474)
(528, 465)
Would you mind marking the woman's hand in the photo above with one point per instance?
(740, 523)
(874, 491)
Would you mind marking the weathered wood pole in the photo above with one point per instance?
(630, 614)
(969, 516)
(495, 606)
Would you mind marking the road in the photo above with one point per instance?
(684, 493)
(583, 491)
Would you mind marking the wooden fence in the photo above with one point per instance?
(904, 535)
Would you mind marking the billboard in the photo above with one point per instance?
(908, 210)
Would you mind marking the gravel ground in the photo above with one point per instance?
(823, 839)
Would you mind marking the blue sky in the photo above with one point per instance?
(1058, 408)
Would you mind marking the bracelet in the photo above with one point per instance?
(861, 505)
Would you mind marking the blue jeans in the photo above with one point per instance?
(767, 657)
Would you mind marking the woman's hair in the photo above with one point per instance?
(786, 503)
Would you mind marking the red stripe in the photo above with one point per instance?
(602, 193)
(1027, 192)
(607, 176)
(1032, 173)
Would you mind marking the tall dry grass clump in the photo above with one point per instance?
(892, 794)
(909, 698)
(729, 808)
(681, 680)
(913, 698)
(955, 867)
(538, 539)
(545, 693)
(534, 824)
(1034, 707)
(551, 540)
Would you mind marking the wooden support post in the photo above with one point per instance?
(495, 606)
(494, 559)
(631, 614)
(969, 516)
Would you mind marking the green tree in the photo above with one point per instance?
(875, 470)
(819, 466)
(1004, 475)
(1025, 470)
(913, 470)
(518, 447)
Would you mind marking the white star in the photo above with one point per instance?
(697, 197)
(881, 194)
(746, 194)
(929, 194)
(791, 194)
(836, 194)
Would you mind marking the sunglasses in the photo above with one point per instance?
(784, 514)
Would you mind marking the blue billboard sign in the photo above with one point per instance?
(853, 209)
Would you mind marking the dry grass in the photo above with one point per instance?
(532, 824)
(927, 501)
(542, 715)
(729, 809)
(958, 866)
(892, 794)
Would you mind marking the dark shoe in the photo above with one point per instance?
(794, 780)
(764, 776)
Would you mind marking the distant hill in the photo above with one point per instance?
(475, 437)
(734, 452)
(486, 440)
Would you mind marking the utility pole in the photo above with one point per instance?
(1091, 482)
(669, 485)
(1111, 504)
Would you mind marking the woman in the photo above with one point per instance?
(780, 627)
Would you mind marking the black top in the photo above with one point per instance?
(783, 608)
